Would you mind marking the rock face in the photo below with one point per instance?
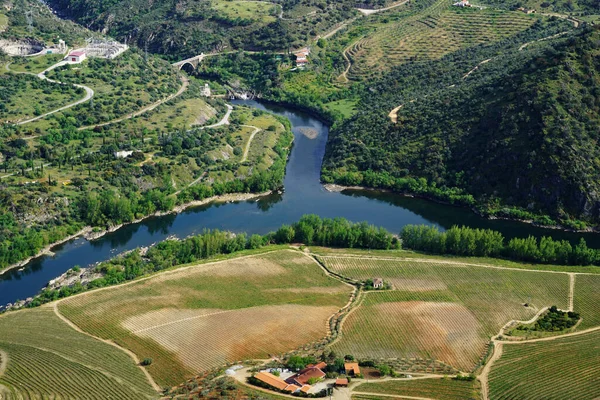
(24, 47)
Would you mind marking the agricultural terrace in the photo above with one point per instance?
(563, 368)
(200, 317)
(436, 310)
(46, 358)
(436, 388)
(431, 34)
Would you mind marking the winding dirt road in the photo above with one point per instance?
(89, 93)
(185, 83)
(247, 148)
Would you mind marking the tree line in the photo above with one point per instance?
(310, 229)
(465, 241)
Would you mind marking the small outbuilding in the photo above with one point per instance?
(352, 369)
(341, 382)
(76, 56)
(377, 283)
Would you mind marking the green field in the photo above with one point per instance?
(431, 34)
(26, 96)
(242, 309)
(3, 22)
(48, 359)
(34, 65)
(439, 389)
(564, 368)
(247, 10)
(448, 312)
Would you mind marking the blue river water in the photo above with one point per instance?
(303, 194)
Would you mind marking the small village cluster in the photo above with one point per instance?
(308, 380)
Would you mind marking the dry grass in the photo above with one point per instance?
(230, 335)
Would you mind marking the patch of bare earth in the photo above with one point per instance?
(316, 290)
(447, 332)
(204, 339)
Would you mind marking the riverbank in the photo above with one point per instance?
(336, 188)
(90, 233)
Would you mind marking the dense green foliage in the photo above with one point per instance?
(188, 28)
(554, 320)
(459, 132)
(465, 241)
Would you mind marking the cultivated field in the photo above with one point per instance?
(442, 311)
(431, 34)
(197, 318)
(439, 389)
(47, 359)
(587, 300)
(564, 368)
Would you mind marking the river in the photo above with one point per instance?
(303, 194)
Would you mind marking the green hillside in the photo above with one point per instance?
(520, 131)
(189, 27)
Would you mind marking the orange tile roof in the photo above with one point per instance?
(292, 388)
(271, 380)
(308, 373)
(352, 367)
(341, 382)
(305, 388)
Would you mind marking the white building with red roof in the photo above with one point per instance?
(76, 56)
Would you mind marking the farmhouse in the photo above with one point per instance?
(76, 56)
(301, 57)
(352, 369)
(276, 382)
(311, 372)
(377, 283)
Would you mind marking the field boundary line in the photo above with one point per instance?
(395, 396)
(571, 290)
(485, 372)
(100, 370)
(551, 338)
(347, 308)
(3, 361)
(154, 385)
(459, 263)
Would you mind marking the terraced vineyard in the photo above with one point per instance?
(439, 389)
(193, 319)
(439, 30)
(565, 368)
(48, 359)
(445, 312)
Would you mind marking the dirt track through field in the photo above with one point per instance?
(136, 360)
